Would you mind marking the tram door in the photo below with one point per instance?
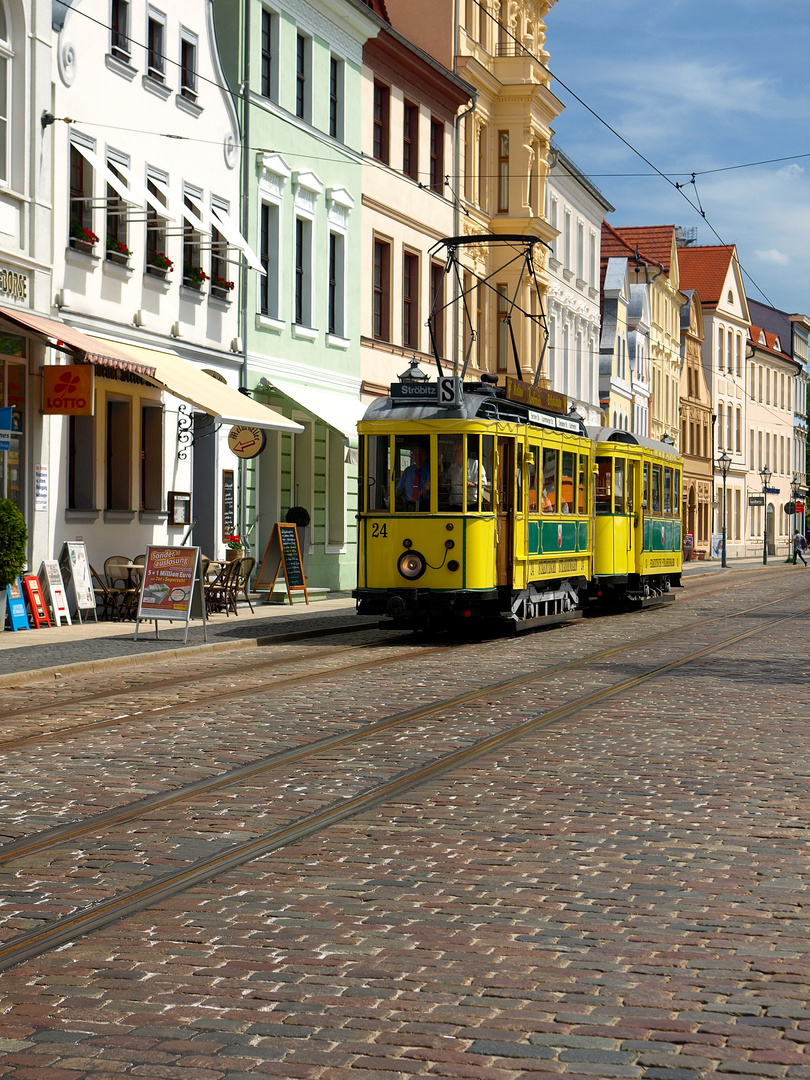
(505, 497)
(635, 527)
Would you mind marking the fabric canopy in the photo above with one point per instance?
(190, 383)
(338, 411)
(95, 351)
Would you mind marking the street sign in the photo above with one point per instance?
(771, 491)
(756, 500)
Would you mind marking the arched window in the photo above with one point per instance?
(720, 428)
(6, 55)
(720, 340)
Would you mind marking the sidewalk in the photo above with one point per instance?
(26, 655)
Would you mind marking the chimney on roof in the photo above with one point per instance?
(685, 237)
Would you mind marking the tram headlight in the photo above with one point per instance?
(411, 565)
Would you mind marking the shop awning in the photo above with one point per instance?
(95, 351)
(190, 383)
(338, 411)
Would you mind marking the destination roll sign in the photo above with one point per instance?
(446, 392)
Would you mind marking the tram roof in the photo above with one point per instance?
(618, 435)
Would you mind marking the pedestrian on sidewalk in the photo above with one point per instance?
(798, 545)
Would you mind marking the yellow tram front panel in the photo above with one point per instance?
(458, 552)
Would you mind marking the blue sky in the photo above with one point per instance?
(696, 85)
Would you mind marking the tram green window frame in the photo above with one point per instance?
(378, 474)
(568, 473)
(619, 487)
(667, 491)
(551, 470)
(531, 477)
(604, 485)
(656, 489)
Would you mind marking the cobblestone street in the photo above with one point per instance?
(620, 893)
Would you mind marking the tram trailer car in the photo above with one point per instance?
(485, 510)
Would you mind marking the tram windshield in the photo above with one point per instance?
(461, 473)
(412, 470)
(604, 485)
(548, 495)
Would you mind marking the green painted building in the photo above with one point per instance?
(294, 68)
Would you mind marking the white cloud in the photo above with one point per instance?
(773, 256)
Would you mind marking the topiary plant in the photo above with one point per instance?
(298, 516)
(13, 541)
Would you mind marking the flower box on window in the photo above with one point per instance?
(82, 238)
(194, 276)
(117, 251)
(221, 287)
(159, 265)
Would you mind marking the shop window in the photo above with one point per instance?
(118, 459)
(12, 393)
(151, 457)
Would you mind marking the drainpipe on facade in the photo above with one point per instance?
(245, 269)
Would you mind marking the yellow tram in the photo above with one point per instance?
(497, 504)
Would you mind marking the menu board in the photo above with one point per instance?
(50, 577)
(76, 567)
(228, 503)
(283, 554)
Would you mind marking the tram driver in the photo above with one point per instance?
(413, 487)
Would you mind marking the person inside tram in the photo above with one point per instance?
(413, 488)
(454, 478)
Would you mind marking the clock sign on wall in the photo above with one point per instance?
(247, 442)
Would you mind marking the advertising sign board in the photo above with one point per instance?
(171, 587)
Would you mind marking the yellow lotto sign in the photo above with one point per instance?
(67, 391)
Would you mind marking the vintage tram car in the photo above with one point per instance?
(490, 502)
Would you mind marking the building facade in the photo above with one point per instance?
(696, 429)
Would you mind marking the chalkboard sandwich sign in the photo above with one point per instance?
(283, 554)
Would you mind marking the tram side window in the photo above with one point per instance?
(412, 473)
(677, 492)
(531, 478)
(451, 472)
(632, 481)
(378, 472)
(487, 472)
(667, 491)
(604, 485)
(584, 468)
(645, 495)
(567, 481)
(548, 497)
(476, 473)
(656, 489)
(618, 485)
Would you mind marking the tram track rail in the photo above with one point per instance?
(232, 693)
(62, 930)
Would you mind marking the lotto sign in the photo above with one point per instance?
(67, 391)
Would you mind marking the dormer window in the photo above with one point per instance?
(730, 296)
(776, 344)
(761, 339)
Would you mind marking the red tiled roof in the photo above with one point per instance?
(654, 242)
(705, 269)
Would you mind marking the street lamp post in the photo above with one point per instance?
(765, 475)
(724, 461)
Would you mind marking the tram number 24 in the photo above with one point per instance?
(379, 529)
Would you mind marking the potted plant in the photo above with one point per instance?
(81, 238)
(194, 276)
(221, 286)
(117, 250)
(299, 516)
(13, 541)
(159, 264)
(233, 547)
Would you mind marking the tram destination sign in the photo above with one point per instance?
(446, 392)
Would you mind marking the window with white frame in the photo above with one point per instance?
(82, 235)
(116, 214)
(221, 285)
(269, 55)
(268, 254)
(303, 77)
(336, 97)
(188, 65)
(337, 284)
(302, 280)
(158, 262)
(119, 30)
(193, 273)
(156, 45)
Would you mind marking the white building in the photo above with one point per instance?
(147, 257)
(575, 208)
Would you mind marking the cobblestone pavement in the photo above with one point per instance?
(620, 895)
